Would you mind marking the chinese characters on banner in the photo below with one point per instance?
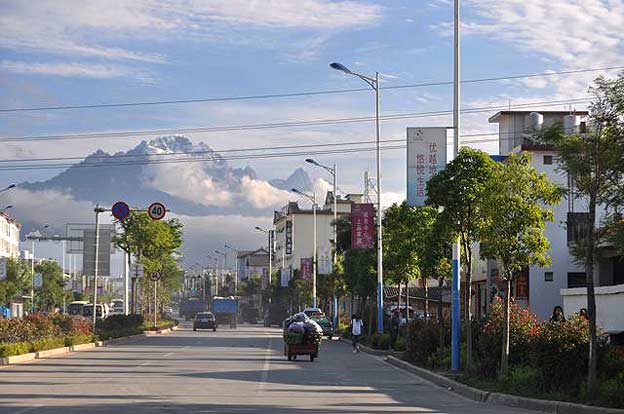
(426, 155)
(289, 229)
(324, 265)
(362, 226)
(284, 276)
(306, 268)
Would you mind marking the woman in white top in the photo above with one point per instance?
(356, 331)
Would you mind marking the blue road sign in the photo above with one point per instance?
(120, 210)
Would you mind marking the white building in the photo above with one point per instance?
(294, 230)
(562, 283)
(251, 263)
(10, 234)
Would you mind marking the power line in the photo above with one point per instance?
(297, 94)
(288, 124)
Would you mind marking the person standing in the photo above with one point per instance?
(356, 331)
(395, 323)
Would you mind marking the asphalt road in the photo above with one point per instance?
(228, 371)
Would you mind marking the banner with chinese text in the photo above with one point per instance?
(362, 226)
(426, 156)
(305, 268)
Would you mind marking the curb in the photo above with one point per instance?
(558, 407)
(52, 352)
(377, 352)
(157, 332)
(82, 347)
(16, 359)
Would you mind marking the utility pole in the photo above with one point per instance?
(456, 284)
(97, 210)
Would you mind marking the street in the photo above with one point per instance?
(241, 370)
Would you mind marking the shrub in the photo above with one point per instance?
(400, 345)
(523, 330)
(611, 391)
(373, 340)
(523, 380)
(78, 339)
(611, 363)
(383, 342)
(424, 341)
(15, 348)
(43, 325)
(47, 343)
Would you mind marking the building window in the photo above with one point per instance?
(548, 159)
(548, 276)
(577, 279)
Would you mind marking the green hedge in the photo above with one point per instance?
(24, 347)
(16, 348)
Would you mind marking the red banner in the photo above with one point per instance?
(306, 268)
(362, 226)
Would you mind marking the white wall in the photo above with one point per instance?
(609, 305)
(303, 236)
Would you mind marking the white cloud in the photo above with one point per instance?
(261, 194)
(69, 69)
(97, 29)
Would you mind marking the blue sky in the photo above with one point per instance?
(60, 52)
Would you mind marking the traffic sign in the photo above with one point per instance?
(120, 210)
(155, 276)
(156, 211)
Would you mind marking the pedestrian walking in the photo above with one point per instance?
(356, 331)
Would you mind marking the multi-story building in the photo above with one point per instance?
(294, 230)
(251, 263)
(10, 234)
(562, 283)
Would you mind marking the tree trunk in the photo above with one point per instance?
(504, 368)
(399, 300)
(590, 265)
(467, 303)
(407, 303)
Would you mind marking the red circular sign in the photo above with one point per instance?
(120, 210)
(156, 211)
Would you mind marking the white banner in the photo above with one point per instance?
(426, 156)
(38, 280)
(285, 277)
(324, 261)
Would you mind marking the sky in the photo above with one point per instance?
(63, 52)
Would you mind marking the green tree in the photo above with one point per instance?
(17, 282)
(459, 189)
(52, 293)
(515, 203)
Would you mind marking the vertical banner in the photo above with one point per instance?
(324, 265)
(264, 278)
(272, 242)
(362, 226)
(289, 230)
(426, 155)
(284, 277)
(305, 268)
(3, 268)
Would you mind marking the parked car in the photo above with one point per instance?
(205, 320)
(313, 312)
(325, 324)
(117, 307)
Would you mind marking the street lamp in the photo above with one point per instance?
(235, 266)
(332, 172)
(268, 232)
(32, 264)
(373, 83)
(312, 198)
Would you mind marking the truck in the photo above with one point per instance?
(189, 307)
(225, 310)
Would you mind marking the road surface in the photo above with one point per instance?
(228, 371)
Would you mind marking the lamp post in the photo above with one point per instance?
(268, 232)
(312, 198)
(235, 267)
(32, 265)
(332, 172)
(97, 211)
(373, 83)
(215, 262)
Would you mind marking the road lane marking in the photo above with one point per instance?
(27, 409)
(266, 367)
(168, 354)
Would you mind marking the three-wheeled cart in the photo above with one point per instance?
(292, 350)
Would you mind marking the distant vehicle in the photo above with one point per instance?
(205, 320)
(117, 307)
(325, 324)
(189, 307)
(225, 309)
(102, 309)
(75, 307)
(313, 312)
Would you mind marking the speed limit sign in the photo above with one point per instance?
(156, 211)
(155, 276)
